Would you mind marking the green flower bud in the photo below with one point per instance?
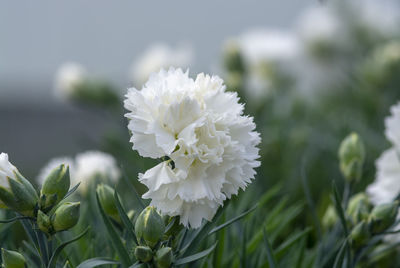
(360, 234)
(44, 223)
(55, 187)
(131, 214)
(18, 194)
(12, 259)
(65, 216)
(352, 156)
(233, 60)
(163, 258)
(143, 253)
(149, 226)
(359, 208)
(383, 216)
(330, 217)
(107, 201)
(176, 226)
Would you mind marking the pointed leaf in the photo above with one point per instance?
(196, 256)
(57, 252)
(96, 262)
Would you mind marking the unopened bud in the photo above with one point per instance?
(352, 156)
(143, 253)
(149, 226)
(55, 187)
(44, 223)
(360, 234)
(65, 216)
(359, 208)
(233, 59)
(107, 201)
(163, 258)
(12, 259)
(383, 216)
(330, 217)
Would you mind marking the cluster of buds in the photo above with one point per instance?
(151, 233)
(367, 221)
(352, 157)
(53, 216)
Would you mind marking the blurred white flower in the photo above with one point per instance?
(392, 124)
(68, 76)
(202, 129)
(378, 17)
(158, 56)
(319, 25)
(91, 165)
(267, 53)
(54, 163)
(6, 170)
(386, 186)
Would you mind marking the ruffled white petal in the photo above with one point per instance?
(202, 129)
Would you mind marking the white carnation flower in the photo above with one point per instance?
(392, 124)
(6, 170)
(319, 24)
(54, 163)
(266, 54)
(159, 56)
(68, 76)
(386, 186)
(94, 164)
(202, 129)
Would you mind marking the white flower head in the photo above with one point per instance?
(268, 46)
(265, 52)
(386, 186)
(378, 17)
(6, 170)
(158, 56)
(68, 76)
(94, 164)
(392, 124)
(54, 163)
(200, 127)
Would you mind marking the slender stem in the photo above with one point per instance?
(43, 246)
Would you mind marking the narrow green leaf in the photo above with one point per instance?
(339, 209)
(57, 252)
(96, 262)
(202, 232)
(71, 191)
(290, 242)
(340, 256)
(170, 224)
(216, 229)
(16, 219)
(309, 199)
(270, 252)
(125, 176)
(125, 219)
(196, 256)
(117, 243)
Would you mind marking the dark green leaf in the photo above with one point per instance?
(124, 217)
(57, 252)
(125, 176)
(216, 229)
(196, 256)
(270, 252)
(290, 242)
(96, 262)
(15, 219)
(116, 241)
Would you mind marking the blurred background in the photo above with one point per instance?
(107, 38)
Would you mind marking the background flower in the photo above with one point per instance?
(68, 77)
(157, 56)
